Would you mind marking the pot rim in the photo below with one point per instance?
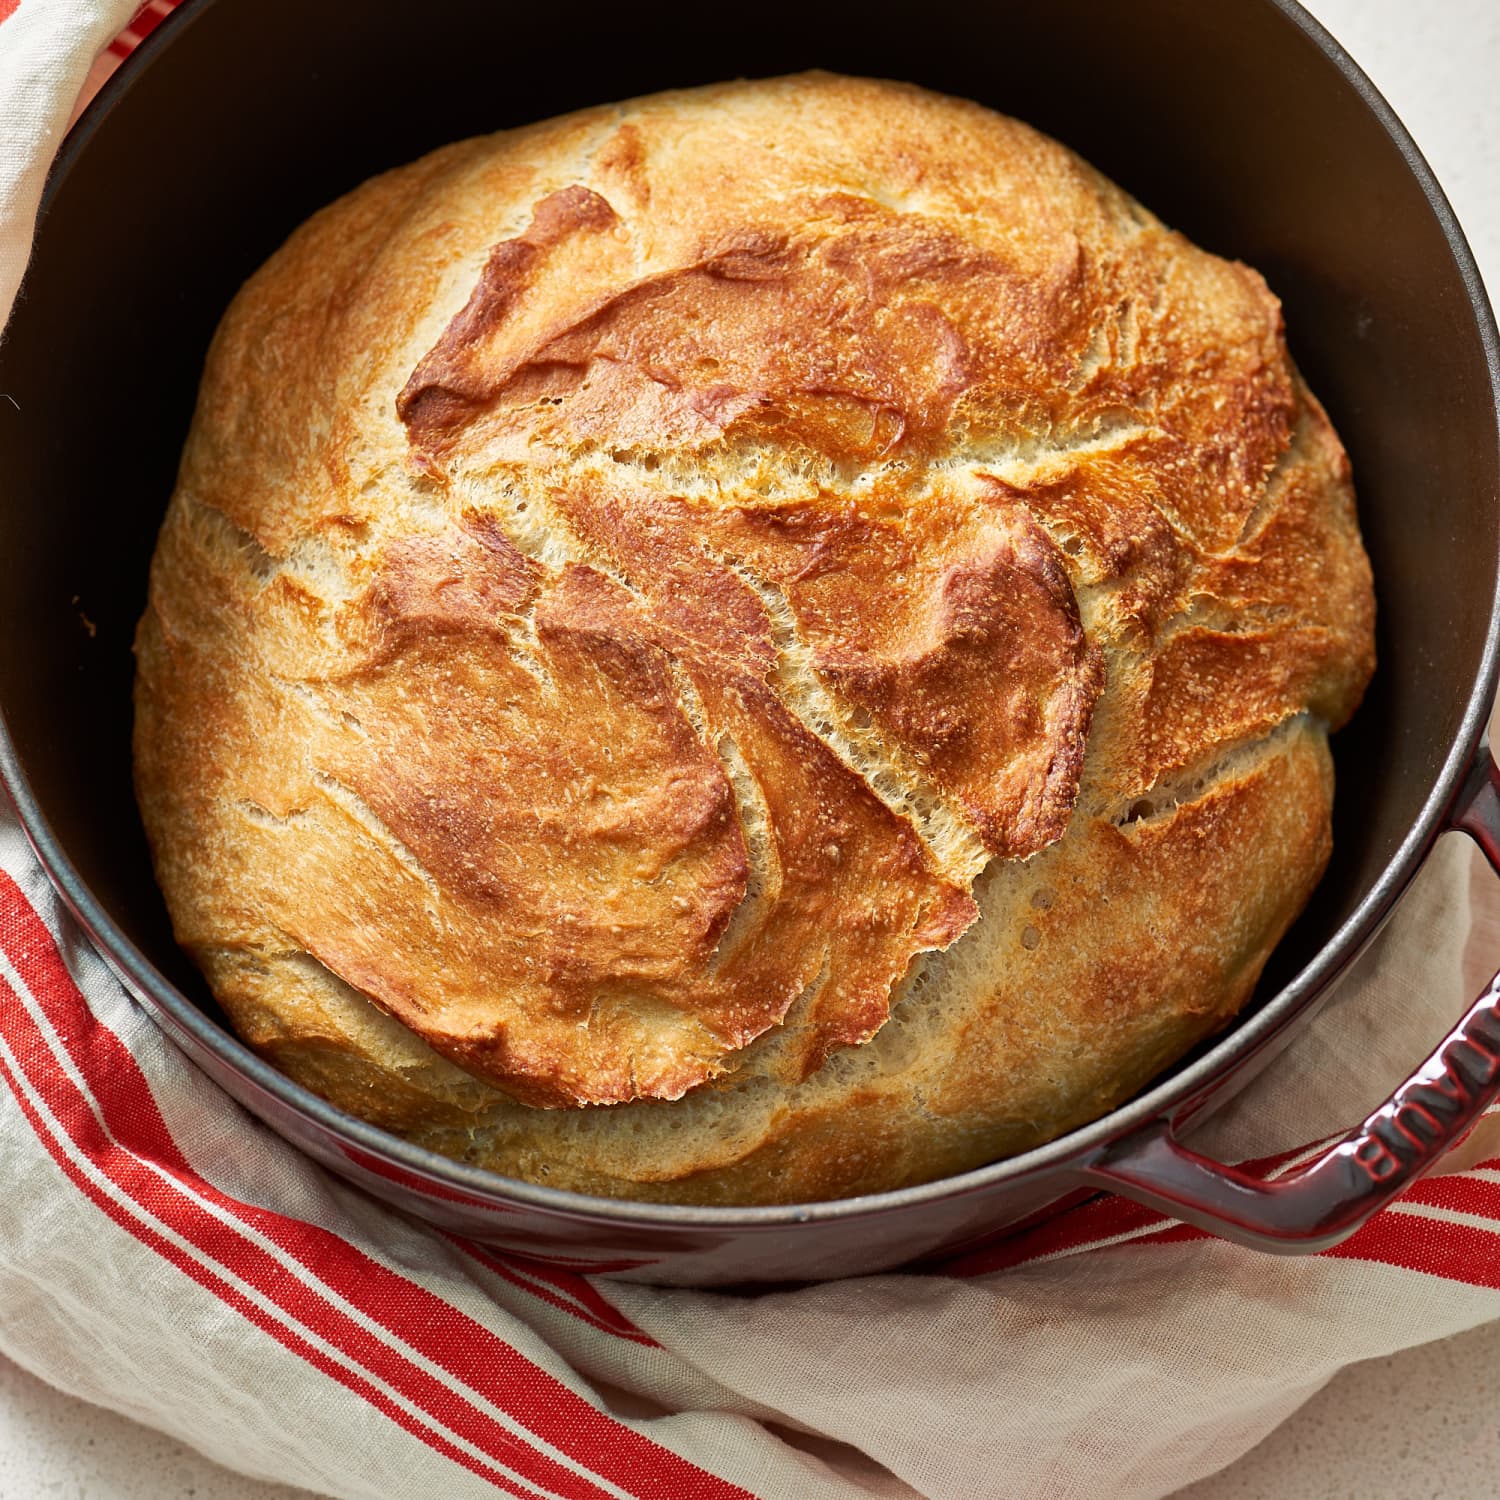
(1069, 1150)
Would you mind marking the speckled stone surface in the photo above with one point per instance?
(53, 1447)
(1420, 1424)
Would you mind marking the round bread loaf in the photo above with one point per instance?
(764, 643)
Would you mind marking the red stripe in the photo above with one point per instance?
(137, 29)
(543, 1294)
(8, 8)
(447, 1337)
(1104, 1217)
(138, 1115)
(1467, 1194)
(572, 1295)
(1457, 1252)
(1107, 1217)
(255, 1266)
(251, 1311)
(571, 1284)
(149, 17)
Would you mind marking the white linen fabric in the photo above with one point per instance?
(164, 1255)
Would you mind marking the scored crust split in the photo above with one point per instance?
(763, 643)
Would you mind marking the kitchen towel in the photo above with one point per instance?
(164, 1255)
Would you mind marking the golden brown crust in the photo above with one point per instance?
(953, 630)
(641, 587)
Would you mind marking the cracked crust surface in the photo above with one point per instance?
(761, 643)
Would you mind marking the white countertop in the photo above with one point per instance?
(1438, 62)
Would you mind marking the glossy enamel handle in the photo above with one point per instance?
(1328, 1199)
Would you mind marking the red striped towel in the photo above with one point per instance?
(164, 1255)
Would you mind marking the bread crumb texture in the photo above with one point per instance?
(759, 644)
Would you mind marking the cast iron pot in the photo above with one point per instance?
(1242, 123)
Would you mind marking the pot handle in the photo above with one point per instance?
(1325, 1201)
